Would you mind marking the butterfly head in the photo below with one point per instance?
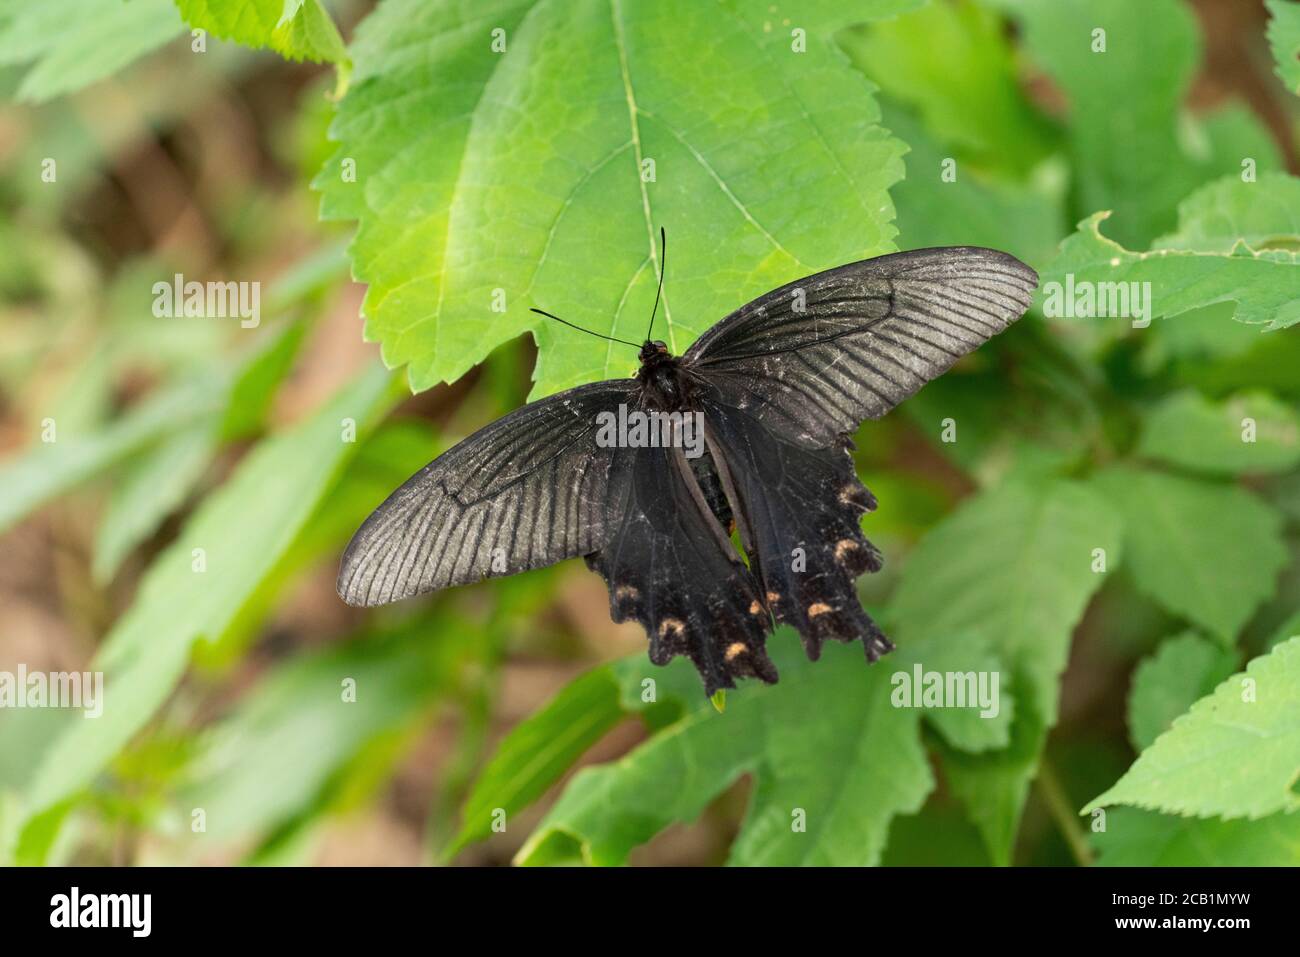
(653, 350)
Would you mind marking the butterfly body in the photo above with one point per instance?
(666, 383)
(779, 386)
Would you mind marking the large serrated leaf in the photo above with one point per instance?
(1263, 213)
(500, 155)
(1235, 754)
(1262, 285)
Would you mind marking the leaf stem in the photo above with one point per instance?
(1062, 811)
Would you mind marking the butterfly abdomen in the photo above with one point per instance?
(706, 475)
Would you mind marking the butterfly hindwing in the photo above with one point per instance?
(799, 510)
(670, 567)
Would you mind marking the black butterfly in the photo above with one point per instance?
(781, 384)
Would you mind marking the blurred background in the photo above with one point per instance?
(201, 166)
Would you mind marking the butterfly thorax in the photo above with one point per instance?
(663, 382)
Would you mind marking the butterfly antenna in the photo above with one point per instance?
(663, 262)
(542, 312)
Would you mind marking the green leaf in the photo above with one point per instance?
(1251, 433)
(1288, 629)
(1235, 754)
(1206, 333)
(243, 529)
(1136, 838)
(278, 750)
(52, 468)
(75, 43)
(1045, 426)
(940, 836)
(392, 454)
(1261, 285)
(1210, 553)
(992, 786)
(969, 729)
(1132, 93)
(825, 791)
(487, 182)
(1264, 214)
(1024, 605)
(153, 486)
(295, 29)
(954, 65)
(1182, 671)
(975, 210)
(1223, 140)
(539, 750)
(383, 460)
(1284, 38)
(25, 734)
(254, 389)
(232, 396)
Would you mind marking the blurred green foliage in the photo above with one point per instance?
(1100, 533)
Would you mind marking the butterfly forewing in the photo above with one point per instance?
(528, 490)
(816, 357)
